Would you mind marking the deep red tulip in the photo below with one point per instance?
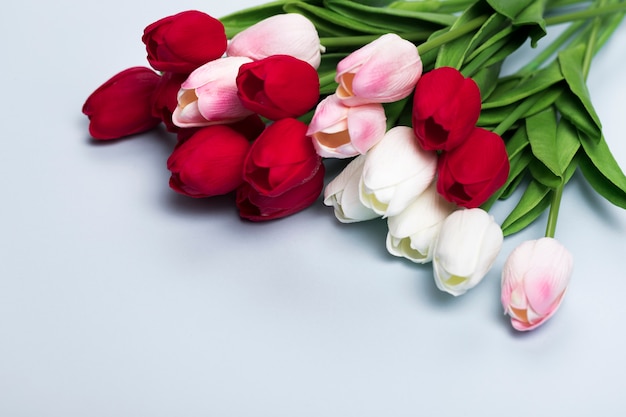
(281, 158)
(469, 174)
(209, 163)
(279, 86)
(165, 98)
(257, 207)
(122, 106)
(446, 107)
(184, 41)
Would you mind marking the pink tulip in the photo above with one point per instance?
(209, 95)
(383, 71)
(281, 34)
(534, 279)
(339, 131)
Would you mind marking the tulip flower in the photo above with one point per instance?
(469, 242)
(534, 279)
(122, 106)
(281, 158)
(446, 107)
(209, 95)
(183, 42)
(278, 87)
(383, 71)
(469, 174)
(339, 131)
(413, 232)
(342, 193)
(208, 163)
(255, 206)
(165, 98)
(281, 34)
(396, 171)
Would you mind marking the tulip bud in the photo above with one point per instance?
(534, 279)
(209, 95)
(183, 42)
(342, 193)
(413, 232)
(469, 242)
(281, 34)
(278, 87)
(446, 107)
(255, 206)
(470, 173)
(281, 158)
(165, 98)
(396, 171)
(122, 106)
(339, 131)
(383, 71)
(208, 163)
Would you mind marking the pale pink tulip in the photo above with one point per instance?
(383, 71)
(281, 34)
(339, 131)
(534, 279)
(209, 95)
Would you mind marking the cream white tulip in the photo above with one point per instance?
(469, 242)
(413, 232)
(396, 171)
(342, 193)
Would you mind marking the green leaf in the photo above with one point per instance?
(602, 170)
(390, 20)
(541, 130)
(534, 201)
(524, 12)
(579, 109)
(567, 144)
(512, 90)
(327, 23)
(243, 19)
(493, 116)
(487, 78)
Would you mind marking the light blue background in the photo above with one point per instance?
(119, 297)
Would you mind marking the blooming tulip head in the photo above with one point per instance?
(281, 158)
(534, 279)
(209, 163)
(446, 107)
(396, 171)
(339, 131)
(382, 71)
(209, 95)
(267, 38)
(278, 87)
(183, 42)
(342, 193)
(413, 232)
(470, 173)
(122, 106)
(469, 242)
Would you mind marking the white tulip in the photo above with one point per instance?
(342, 193)
(469, 242)
(396, 171)
(413, 232)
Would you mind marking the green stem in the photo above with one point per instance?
(585, 14)
(517, 114)
(451, 35)
(555, 204)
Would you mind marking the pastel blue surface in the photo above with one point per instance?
(119, 297)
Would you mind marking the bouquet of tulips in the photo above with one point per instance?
(409, 97)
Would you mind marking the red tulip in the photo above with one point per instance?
(281, 158)
(165, 98)
(278, 86)
(209, 163)
(122, 106)
(255, 206)
(469, 174)
(446, 107)
(184, 41)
